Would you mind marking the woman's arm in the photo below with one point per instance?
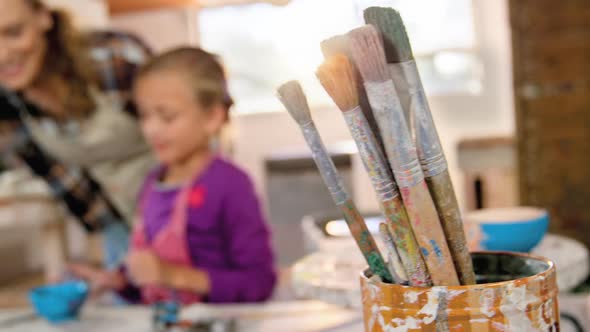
(109, 135)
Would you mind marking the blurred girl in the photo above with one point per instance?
(200, 234)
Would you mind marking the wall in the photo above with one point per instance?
(87, 13)
(161, 29)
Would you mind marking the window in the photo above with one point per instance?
(263, 46)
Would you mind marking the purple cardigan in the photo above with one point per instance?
(227, 234)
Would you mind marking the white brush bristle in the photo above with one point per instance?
(368, 53)
(292, 96)
(335, 45)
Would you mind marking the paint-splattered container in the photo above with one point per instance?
(515, 293)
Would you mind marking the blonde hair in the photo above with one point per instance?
(68, 57)
(204, 72)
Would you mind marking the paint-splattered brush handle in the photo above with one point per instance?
(394, 261)
(399, 146)
(413, 100)
(441, 189)
(355, 221)
(403, 160)
(364, 240)
(372, 157)
(434, 165)
(430, 235)
(391, 205)
(406, 242)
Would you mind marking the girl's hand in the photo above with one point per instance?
(145, 268)
(99, 280)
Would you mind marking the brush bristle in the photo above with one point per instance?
(292, 96)
(339, 44)
(338, 79)
(369, 56)
(395, 38)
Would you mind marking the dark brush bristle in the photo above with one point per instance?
(395, 38)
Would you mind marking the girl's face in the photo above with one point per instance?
(22, 43)
(172, 121)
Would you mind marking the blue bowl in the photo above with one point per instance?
(517, 229)
(60, 302)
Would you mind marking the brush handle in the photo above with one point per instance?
(394, 262)
(365, 241)
(406, 243)
(388, 195)
(372, 157)
(413, 100)
(434, 165)
(430, 235)
(399, 147)
(354, 220)
(441, 189)
(408, 174)
(324, 163)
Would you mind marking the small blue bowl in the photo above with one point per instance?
(517, 229)
(60, 302)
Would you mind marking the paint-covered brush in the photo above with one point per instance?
(368, 53)
(393, 259)
(404, 73)
(294, 100)
(340, 44)
(338, 79)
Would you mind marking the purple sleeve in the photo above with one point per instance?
(251, 277)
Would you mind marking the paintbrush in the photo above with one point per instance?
(394, 261)
(294, 100)
(368, 53)
(340, 44)
(404, 73)
(338, 79)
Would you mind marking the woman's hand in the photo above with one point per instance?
(99, 280)
(145, 268)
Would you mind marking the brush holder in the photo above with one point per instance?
(515, 292)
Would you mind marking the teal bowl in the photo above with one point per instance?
(517, 229)
(61, 302)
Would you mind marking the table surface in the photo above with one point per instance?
(309, 316)
(300, 316)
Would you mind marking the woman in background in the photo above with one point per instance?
(78, 138)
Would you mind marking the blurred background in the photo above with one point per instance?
(463, 48)
(507, 82)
